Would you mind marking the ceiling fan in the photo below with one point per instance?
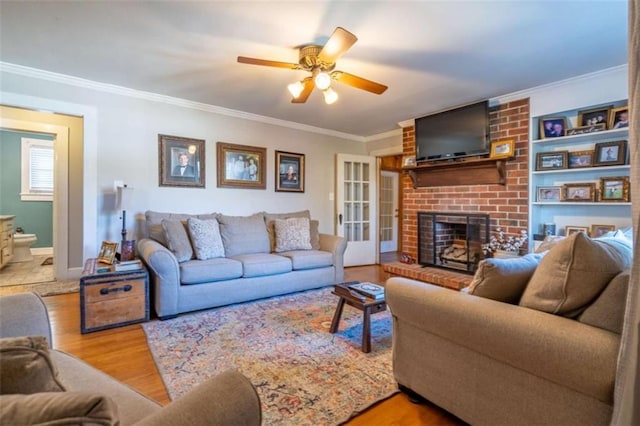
(320, 61)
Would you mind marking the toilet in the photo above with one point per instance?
(22, 247)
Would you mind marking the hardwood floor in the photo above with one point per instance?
(123, 353)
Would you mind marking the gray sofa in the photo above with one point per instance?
(533, 340)
(227, 399)
(254, 261)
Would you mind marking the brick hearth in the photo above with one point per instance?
(437, 276)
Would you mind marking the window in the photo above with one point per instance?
(37, 170)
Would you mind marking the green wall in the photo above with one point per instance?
(35, 217)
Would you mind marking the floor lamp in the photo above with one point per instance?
(127, 247)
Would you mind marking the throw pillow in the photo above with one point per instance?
(292, 234)
(315, 234)
(26, 367)
(573, 273)
(177, 239)
(504, 280)
(244, 234)
(269, 219)
(608, 310)
(154, 219)
(207, 242)
(58, 408)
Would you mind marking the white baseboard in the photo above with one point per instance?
(42, 251)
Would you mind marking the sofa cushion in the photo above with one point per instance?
(504, 280)
(292, 234)
(205, 238)
(574, 272)
(261, 264)
(58, 408)
(204, 271)
(26, 366)
(608, 310)
(308, 259)
(269, 219)
(244, 234)
(178, 242)
(154, 222)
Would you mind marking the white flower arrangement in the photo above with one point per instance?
(499, 241)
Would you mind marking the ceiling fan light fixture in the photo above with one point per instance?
(322, 80)
(296, 88)
(330, 95)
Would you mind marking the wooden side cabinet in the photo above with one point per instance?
(112, 299)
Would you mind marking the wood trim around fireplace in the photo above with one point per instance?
(469, 172)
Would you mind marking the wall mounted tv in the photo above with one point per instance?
(456, 133)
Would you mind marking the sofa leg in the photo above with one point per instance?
(413, 397)
(167, 317)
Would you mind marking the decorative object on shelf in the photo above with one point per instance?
(409, 161)
(611, 153)
(289, 172)
(579, 192)
(503, 149)
(181, 161)
(619, 118)
(592, 117)
(614, 188)
(499, 241)
(578, 159)
(553, 160)
(601, 230)
(107, 252)
(568, 230)
(241, 166)
(552, 127)
(548, 193)
(549, 229)
(586, 129)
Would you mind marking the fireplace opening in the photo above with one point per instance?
(452, 240)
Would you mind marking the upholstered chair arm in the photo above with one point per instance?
(24, 314)
(164, 274)
(335, 245)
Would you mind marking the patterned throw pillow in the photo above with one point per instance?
(205, 235)
(292, 234)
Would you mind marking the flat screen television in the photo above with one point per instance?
(455, 133)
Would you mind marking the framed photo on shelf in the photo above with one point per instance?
(619, 118)
(553, 160)
(593, 128)
(181, 161)
(592, 117)
(548, 193)
(600, 230)
(241, 166)
(610, 153)
(579, 192)
(107, 252)
(614, 188)
(503, 149)
(568, 230)
(289, 172)
(552, 127)
(578, 159)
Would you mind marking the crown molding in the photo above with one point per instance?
(154, 97)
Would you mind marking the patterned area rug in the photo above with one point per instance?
(43, 289)
(304, 374)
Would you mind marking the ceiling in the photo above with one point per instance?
(433, 55)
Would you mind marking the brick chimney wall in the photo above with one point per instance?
(506, 205)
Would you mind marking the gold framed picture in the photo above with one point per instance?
(552, 160)
(107, 252)
(568, 230)
(552, 127)
(595, 116)
(579, 192)
(600, 230)
(578, 159)
(241, 166)
(503, 149)
(614, 188)
(619, 118)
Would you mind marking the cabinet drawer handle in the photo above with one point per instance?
(126, 288)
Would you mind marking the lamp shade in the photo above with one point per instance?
(124, 198)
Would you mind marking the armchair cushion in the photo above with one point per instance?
(26, 367)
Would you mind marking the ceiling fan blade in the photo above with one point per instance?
(267, 63)
(339, 42)
(304, 95)
(358, 82)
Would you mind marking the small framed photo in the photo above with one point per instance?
(610, 153)
(553, 160)
(614, 188)
(578, 159)
(289, 172)
(552, 127)
(548, 194)
(568, 230)
(579, 192)
(592, 117)
(503, 149)
(601, 230)
(241, 166)
(181, 161)
(409, 161)
(107, 252)
(619, 118)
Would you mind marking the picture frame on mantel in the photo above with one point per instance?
(502, 149)
(181, 161)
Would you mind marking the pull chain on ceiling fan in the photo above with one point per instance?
(320, 61)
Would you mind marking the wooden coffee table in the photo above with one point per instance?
(367, 305)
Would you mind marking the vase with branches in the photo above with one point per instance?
(509, 243)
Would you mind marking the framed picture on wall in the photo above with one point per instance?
(289, 172)
(241, 166)
(181, 161)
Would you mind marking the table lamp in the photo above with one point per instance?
(127, 247)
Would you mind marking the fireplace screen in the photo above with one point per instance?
(452, 240)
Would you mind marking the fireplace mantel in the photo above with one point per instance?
(475, 171)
